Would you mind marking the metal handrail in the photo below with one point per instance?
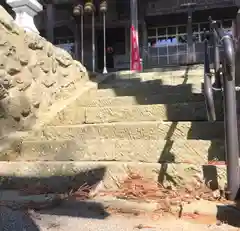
(216, 54)
(208, 90)
(230, 111)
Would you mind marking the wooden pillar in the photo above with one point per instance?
(189, 37)
(50, 22)
(78, 35)
(144, 37)
(144, 44)
(77, 41)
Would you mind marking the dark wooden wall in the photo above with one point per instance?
(158, 7)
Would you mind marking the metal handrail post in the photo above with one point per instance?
(208, 92)
(230, 119)
(230, 107)
(216, 57)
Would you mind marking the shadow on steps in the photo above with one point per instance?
(55, 184)
(142, 91)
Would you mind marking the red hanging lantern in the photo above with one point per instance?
(89, 6)
(103, 6)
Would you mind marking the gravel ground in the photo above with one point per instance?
(82, 219)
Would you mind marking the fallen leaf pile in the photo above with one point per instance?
(135, 187)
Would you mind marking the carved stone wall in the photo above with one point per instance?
(34, 75)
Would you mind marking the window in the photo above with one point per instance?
(151, 42)
(171, 41)
(152, 32)
(172, 30)
(162, 31)
(182, 29)
(161, 41)
(182, 38)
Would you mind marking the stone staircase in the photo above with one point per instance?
(152, 123)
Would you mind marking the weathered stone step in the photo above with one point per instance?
(137, 82)
(148, 130)
(149, 89)
(64, 176)
(158, 72)
(79, 114)
(195, 111)
(98, 101)
(148, 151)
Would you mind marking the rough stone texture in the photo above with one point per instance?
(134, 130)
(95, 99)
(68, 112)
(34, 75)
(60, 175)
(42, 85)
(148, 151)
(167, 112)
(74, 113)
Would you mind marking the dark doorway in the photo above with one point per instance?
(115, 39)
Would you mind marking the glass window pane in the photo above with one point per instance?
(172, 30)
(161, 41)
(162, 31)
(151, 42)
(182, 38)
(152, 32)
(172, 40)
(182, 29)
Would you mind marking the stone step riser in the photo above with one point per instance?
(64, 176)
(98, 100)
(171, 81)
(170, 112)
(149, 89)
(148, 151)
(160, 72)
(133, 130)
(75, 114)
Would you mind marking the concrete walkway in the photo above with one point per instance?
(81, 219)
(99, 215)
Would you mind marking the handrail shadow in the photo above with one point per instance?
(166, 94)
